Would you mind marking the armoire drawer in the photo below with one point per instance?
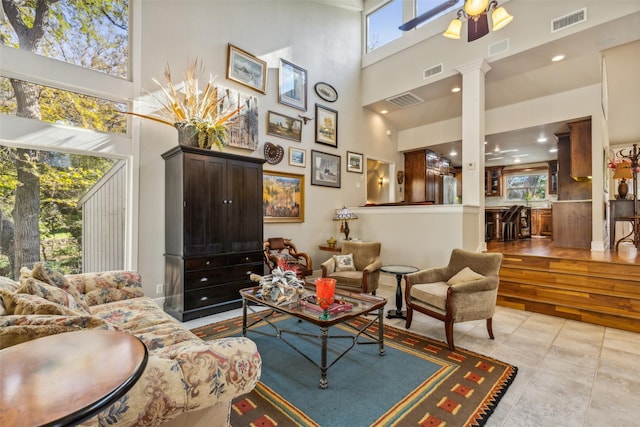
(217, 276)
(213, 295)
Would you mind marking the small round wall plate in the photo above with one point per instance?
(326, 91)
(273, 153)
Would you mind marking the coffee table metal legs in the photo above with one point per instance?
(324, 336)
(397, 313)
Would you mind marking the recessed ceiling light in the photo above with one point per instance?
(485, 143)
(453, 153)
(516, 160)
(456, 89)
(557, 58)
(383, 111)
(496, 149)
(542, 139)
(553, 150)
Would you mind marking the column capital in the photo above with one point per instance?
(479, 64)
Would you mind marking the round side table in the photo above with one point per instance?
(399, 271)
(67, 378)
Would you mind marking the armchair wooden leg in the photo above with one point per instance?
(490, 327)
(407, 322)
(448, 329)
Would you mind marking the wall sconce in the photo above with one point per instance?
(381, 180)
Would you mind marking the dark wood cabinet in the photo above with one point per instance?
(422, 171)
(493, 182)
(572, 224)
(541, 222)
(213, 230)
(569, 188)
(580, 149)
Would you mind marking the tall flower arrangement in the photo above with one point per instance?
(190, 109)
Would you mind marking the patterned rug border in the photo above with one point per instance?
(402, 340)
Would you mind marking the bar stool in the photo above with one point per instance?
(509, 223)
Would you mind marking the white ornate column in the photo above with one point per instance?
(473, 135)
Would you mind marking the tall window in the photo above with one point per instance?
(92, 34)
(423, 6)
(527, 187)
(39, 188)
(382, 25)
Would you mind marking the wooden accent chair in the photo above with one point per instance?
(280, 248)
(466, 289)
(359, 275)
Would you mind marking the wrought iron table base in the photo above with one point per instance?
(324, 337)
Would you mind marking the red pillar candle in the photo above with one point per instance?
(325, 290)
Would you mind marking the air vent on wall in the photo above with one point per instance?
(405, 100)
(432, 71)
(569, 20)
(499, 47)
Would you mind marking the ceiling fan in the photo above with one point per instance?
(410, 25)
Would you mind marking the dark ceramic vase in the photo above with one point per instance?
(623, 189)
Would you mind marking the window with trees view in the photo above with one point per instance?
(40, 189)
(527, 187)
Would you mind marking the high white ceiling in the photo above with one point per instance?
(530, 75)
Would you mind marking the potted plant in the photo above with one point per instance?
(196, 114)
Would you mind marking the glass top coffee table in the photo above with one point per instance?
(360, 304)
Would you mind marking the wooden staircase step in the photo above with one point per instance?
(599, 292)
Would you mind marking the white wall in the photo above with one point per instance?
(322, 39)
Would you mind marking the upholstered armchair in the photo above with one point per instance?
(466, 289)
(277, 249)
(358, 273)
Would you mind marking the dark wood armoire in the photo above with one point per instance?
(213, 230)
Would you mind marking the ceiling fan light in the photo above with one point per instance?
(453, 32)
(500, 18)
(475, 7)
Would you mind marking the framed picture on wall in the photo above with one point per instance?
(284, 126)
(246, 69)
(354, 162)
(292, 85)
(242, 129)
(283, 197)
(297, 157)
(325, 169)
(326, 126)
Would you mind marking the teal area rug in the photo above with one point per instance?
(417, 382)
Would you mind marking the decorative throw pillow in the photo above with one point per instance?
(344, 262)
(46, 274)
(51, 293)
(463, 276)
(18, 329)
(33, 304)
(8, 287)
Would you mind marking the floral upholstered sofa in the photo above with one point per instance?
(186, 382)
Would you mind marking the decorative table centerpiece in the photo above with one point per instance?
(282, 285)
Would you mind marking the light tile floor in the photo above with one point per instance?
(569, 373)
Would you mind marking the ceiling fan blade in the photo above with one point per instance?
(410, 25)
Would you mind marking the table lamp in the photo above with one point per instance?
(344, 214)
(623, 172)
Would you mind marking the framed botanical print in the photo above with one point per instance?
(292, 85)
(354, 162)
(282, 197)
(326, 126)
(246, 69)
(297, 157)
(284, 126)
(325, 169)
